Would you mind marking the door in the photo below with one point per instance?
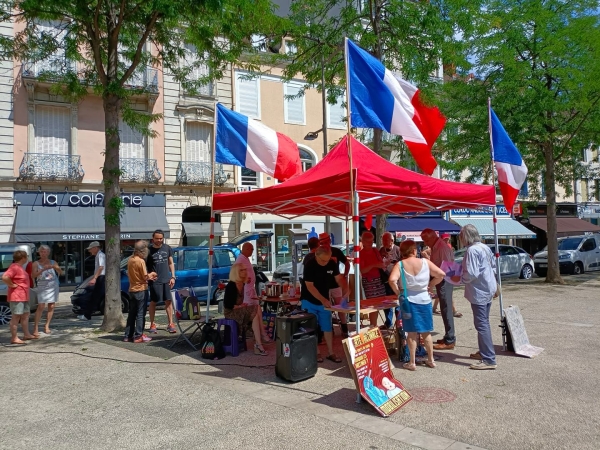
(589, 254)
(194, 271)
(509, 261)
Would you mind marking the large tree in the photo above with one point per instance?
(408, 37)
(539, 62)
(107, 39)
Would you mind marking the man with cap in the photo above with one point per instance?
(97, 281)
(337, 256)
(446, 239)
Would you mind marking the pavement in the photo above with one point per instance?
(93, 390)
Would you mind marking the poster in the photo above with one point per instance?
(372, 372)
(269, 324)
(283, 246)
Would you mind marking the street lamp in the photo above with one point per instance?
(312, 135)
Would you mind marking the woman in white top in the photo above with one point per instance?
(421, 276)
(45, 271)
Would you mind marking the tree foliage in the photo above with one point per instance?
(539, 62)
(102, 45)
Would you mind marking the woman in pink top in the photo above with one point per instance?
(17, 280)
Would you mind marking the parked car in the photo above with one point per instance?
(6, 259)
(283, 272)
(514, 261)
(191, 270)
(576, 255)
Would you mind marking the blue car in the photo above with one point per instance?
(191, 270)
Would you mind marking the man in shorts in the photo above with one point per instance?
(160, 261)
(318, 274)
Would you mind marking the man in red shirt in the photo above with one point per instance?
(17, 280)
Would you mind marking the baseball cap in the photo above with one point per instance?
(445, 236)
(324, 237)
(93, 244)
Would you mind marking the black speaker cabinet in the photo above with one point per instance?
(296, 342)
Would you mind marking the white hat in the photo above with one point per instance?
(93, 244)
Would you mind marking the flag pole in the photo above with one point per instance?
(497, 247)
(212, 212)
(353, 199)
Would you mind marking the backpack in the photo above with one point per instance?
(211, 346)
(190, 309)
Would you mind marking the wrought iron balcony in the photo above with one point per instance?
(48, 167)
(139, 170)
(194, 172)
(144, 78)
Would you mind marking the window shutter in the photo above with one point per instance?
(336, 113)
(132, 142)
(56, 61)
(198, 141)
(199, 71)
(52, 130)
(248, 94)
(294, 108)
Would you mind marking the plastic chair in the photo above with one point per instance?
(229, 330)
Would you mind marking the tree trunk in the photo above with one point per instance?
(553, 274)
(113, 316)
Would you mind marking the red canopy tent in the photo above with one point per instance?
(382, 188)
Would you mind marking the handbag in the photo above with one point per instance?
(403, 297)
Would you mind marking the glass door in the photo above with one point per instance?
(263, 254)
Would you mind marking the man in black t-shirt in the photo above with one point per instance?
(319, 273)
(338, 257)
(160, 261)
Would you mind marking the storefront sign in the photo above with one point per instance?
(569, 210)
(589, 212)
(371, 369)
(85, 199)
(91, 237)
(97, 199)
(483, 212)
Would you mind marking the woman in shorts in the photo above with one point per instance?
(17, 280)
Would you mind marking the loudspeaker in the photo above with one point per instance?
(296, 344)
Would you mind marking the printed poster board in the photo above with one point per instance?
(269, 324)
(518, 334)
(371, 369)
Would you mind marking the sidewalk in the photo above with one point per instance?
(545, 402)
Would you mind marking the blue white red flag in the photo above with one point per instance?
(381, 99)
(511, 168)
(241, 141)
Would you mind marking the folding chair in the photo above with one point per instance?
(196, 324)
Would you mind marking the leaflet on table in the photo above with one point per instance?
(452, 269)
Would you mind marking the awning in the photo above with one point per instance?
(35, 223)
(566, 226)
(507, 228)
(399, 224)
(201, 229)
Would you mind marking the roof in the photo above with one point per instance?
(566, 226)
(382, 188)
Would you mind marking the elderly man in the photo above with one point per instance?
(441, 252)
(318, 276)
(390, 253)
(250, 296)
(97, 281)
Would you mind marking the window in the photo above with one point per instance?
(336, 114)
(198, 71)
(588, 245)
(259, 42)
(137, 77)
(198, 141)
(293, 107)
(524, 190)
(133, 142)
(584, 191)
(54, 30)
(195, 259)
(307, 159)
(224, 258)
(543, 184)
(52, 130)
(290, 47)
(249, 177)
(247, 95)
(507, 251)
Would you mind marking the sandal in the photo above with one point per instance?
(259, 350)
(333, 357)
(319, 358)
(409, 366)
(430, 364)
(435, 311)
(29, 338)
(458, 314)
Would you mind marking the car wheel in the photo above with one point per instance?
(577, 268)
(5, 314)
(124, 304)
(526, 272)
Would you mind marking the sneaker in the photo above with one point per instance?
(126, 339)
(82, 317)
(482, 366)
(138, 340)
(146, 338)
(153, 329)
(171, 328)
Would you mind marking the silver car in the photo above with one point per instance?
(514, 261)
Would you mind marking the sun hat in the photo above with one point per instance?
(93, 244)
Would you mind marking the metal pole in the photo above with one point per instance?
(212, 214)
(324, 130)
(497, 251)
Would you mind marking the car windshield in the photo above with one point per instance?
(6, 260)
(568, 244)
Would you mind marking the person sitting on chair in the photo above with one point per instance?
(234, 307)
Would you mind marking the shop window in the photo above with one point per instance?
(247, 95)
(52, 130)
(293, 111)
(198, 140)
(133, 142)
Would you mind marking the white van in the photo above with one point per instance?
(6, 259)
(576, 255)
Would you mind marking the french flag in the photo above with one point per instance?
(241, 141)
(511, 169)
(381, 99)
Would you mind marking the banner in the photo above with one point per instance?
(371, 369)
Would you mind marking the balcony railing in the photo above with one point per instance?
(139, 170)
(55, 68)
(48, 167)
(194, 172)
